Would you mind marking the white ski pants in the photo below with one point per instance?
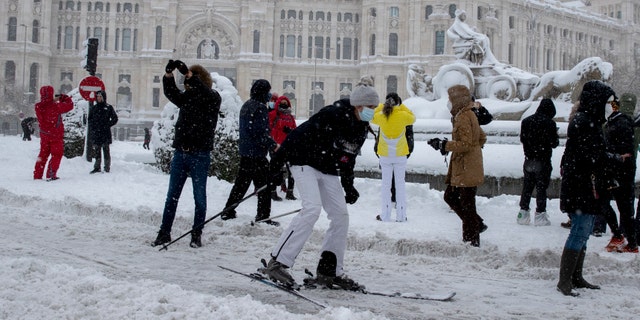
(317, 191)
(393, 166)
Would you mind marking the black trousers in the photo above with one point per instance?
(254, 170)
(462, 201)
(98, 151)
(537, 174)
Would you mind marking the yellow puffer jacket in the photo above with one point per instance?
(392, 130)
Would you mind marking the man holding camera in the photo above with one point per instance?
(49, 113)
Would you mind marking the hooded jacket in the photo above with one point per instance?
(198, 117)
(585, 164)
(619, 138)
(328, 142)
(255, 140)
(281, 123)
(49, 113)
(466, 168)
(101, 118)
(538, 133)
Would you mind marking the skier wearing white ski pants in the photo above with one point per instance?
(317, 191)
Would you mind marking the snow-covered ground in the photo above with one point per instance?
(78, 248)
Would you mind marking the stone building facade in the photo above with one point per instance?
(312, 51)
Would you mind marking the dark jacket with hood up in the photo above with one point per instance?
(619, 136)
(538, 133)
(101, 118)
(328, 142)
(585, 162)
(199, 107)
(255, 139)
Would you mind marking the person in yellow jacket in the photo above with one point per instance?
(392, 148)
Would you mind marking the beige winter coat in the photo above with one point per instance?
(466, 169)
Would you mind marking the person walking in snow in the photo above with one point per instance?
(539, 136)
(195, 129)
(27, 128)
(619, 138)
(321, 153)
(466, 170)
(586, 176)
(393, 117)
(101, 118)
(281, 122)
(49, 113)
(147, 138)
(255, 143)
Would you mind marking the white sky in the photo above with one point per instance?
(78, 248)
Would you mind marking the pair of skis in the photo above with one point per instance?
(295, 291)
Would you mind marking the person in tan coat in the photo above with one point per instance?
(466, 170)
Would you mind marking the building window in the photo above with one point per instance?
(348, 17)
(309, 47)
(338, 51)
(439, 42)
(117, 39)
(98, 6)
(512, 22)
(392, 84)
(68, 37)
(281, 52)
(10, 73)
(12, 33)
(299, 46)
(35, 31)
(346, 48)
(452, 10)
(291, 46)
(394, 12)
(69, 5)
(77, 46)
(510, 58)
(123, 99)
(549, 59)
(256, 41)
(427, 12)
(156, 98)
(289, 83)
(393, 44)
(372, 45)
(33, 81)
(126, 39)
(319, 44)
(106, 38)
(320, 15)
(158, 37)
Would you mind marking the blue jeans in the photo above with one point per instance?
(183, 164)
(581, 227)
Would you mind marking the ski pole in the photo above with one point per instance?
(278, 216)
(225, 210)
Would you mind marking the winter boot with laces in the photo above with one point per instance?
(326, 274)
(523, 217)
(277, 272)
(541, 219)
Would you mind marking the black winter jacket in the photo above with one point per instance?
(585, 163)
(328, 142)
(198, 117)
(255, 137)
(619, 137)
(101, 118)
(538, 133)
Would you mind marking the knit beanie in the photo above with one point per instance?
(364, 94)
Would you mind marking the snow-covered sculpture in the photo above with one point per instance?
(553, 84)
(419, 84)
(467, 43)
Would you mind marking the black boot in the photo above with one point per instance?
(568, 263)
(577, 279)
(290, 195)
(274, 196)
(196, 239)
(162, 238)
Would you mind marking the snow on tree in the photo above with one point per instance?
(224, 157)
(75, 125)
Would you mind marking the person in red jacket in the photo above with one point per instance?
(49, 113)
(281, 122)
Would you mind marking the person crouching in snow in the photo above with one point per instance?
(319, 151)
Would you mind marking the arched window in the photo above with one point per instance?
(10, 73)
(290, 46)
(282, 15)
(12, 33)
(328, 16)
(33, 81)
(373, 12)
(291, 14)
(99, 6)
(127, 7)
(348, 17)
(126, 39)
(320, 15)
(372, 45)
(439, 42)
(310, 15)
(69, 5)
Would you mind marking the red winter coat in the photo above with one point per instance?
(49, 113)
(281, 123)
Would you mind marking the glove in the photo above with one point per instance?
(439, 144)
(286, 130)
(181, 67)
(351, 195)
(170, 66)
